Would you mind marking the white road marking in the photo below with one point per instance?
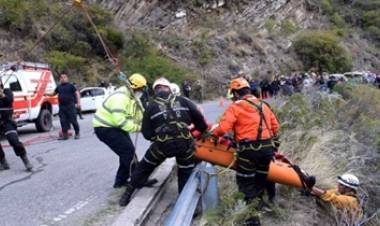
(77, 206)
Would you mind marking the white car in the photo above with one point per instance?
(92, 97)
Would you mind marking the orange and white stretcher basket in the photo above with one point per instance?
(279, 171)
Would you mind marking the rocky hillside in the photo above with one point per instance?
(255, 37)
(196, 38)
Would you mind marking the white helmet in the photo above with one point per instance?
(175, 89)
(349, 180)
(161, 82)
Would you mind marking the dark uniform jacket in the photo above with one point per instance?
(6, 107)
(157, 116)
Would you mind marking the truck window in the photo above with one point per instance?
(12, 82)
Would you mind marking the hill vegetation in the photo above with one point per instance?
(72, 46)
(326, 135)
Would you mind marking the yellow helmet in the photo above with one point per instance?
(137, 81)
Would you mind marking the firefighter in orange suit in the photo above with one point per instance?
(255, 128)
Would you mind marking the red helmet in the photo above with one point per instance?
(239, 83)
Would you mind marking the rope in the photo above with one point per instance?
(62, 16)
(229, 166)
(113, 60)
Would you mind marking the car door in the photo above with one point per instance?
(87, 100)
(99, 95)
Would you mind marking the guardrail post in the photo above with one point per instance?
(209, 181)
(202, 183)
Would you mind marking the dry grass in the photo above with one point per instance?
(326, 135)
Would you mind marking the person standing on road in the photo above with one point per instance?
(69, 101)
(199, 91)
(186, 88)
(166, 123)
(256, 128)
(10, 129)
(115, 119)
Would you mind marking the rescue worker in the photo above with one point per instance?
(344, 198)
(8, 126)
(115, 119)
(165, 123)
(69, 101)
(255, 129)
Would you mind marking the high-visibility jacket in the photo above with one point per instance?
(347, 202)
(119, 110)
(244, 119)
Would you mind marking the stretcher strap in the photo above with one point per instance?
(306, 184)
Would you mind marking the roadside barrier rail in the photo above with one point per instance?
(201, 186)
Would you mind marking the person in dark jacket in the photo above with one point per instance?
(377, 81)
(186, 88)
(331, 83)
(69, 101)
(8, 126)
(166, 123)
(275, 86)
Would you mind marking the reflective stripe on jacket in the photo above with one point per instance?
(244, 120)
(119, 110)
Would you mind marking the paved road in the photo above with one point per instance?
(72, 180)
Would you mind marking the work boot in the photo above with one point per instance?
(4, 164)
(126, 197)
(63, 137)
(26, 162)
(119, 184)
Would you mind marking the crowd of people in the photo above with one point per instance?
(305, 82)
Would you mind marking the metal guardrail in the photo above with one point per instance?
(202, 185)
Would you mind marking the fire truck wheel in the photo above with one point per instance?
(44, 122)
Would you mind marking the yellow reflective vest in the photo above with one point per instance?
(119, 110)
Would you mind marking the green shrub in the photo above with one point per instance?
(18, 16)
(138, 47)
(322, 50)
(327, 7)
(371, 18)
(140, 56)
(269, 24)
(374, 33)
(115, 38)
(202, 51)
(337, 20)
(367, 4)
(288, 27)
(62, 61)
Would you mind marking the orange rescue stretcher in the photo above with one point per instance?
(279, 171)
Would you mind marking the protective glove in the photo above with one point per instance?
(207, 135)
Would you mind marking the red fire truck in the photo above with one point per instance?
(29, 83)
